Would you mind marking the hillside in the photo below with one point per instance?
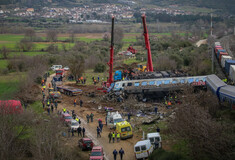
(227, 6)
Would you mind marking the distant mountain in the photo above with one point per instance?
(227, 6)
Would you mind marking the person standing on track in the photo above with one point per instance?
(115, 154)
(121, 152)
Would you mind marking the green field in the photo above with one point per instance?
(8, 86)
(3, 64)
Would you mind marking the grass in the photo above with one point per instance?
(37, 107)
(130, 61)
(3, 64)
(9, 85)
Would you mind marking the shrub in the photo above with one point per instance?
(161, 154)
(99, 68)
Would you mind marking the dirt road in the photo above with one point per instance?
(200, 42)
(91, 105)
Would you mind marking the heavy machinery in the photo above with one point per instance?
(110, 80)
(147, 45)
(131, 49)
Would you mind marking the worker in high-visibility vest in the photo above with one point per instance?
(44, 87)
(118, 137)
(77, 119)
(113, 135)
(225, 80)
(64, 110)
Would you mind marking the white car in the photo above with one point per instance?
(55, 67)
(74, 125)
(66, 68)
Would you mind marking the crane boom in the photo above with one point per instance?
(147, 45)
(110, 80)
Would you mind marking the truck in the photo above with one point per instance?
(153, 137)
(125, 129)
(60, 72)
(113, 118)
(68, 90)
(55, 94)
(117, 76)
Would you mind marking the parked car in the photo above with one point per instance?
(97, 153)
(66, 68)
(85, 144)
(55, 67)
(73, 125)
(66, 118)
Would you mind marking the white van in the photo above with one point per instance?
(153, 137)
(55, 67)
(143, 149)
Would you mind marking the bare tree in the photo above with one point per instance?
(163, 62)
(76, 65)
(52, 35)
(24, 45)
(4, 52)
(30, 33)
(195, 122)
(106, 36)
(13, 129)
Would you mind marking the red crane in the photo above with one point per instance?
(110, 80)
(147, 45)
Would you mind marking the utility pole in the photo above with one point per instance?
(212, 54)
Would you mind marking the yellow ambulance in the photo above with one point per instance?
(125, 129)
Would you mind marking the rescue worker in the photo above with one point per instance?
(84, 80)
(49, 85)
(155, 109)
(113, 135)
(72, 132)
(52, 108)
(98, 78)
(56, 104)
(98, 132)
(115, 154)
(43, 104)
(77, 119)
(74, 102)
(121, 152)
(169, 105)
(48, 109)
(79, 130)
(94, 81)
(87, 117)
(83, 131)
(44, 87)
(110, 136)
(118, 137)
(129, 117)
(64, 110)
(81, 102)
(48, 103)
(91, 115)
(101, 127)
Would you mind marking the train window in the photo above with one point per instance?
(151, 83)
(137, 84)
(190, 80)
(117, 84)
(129, 84)
(204, 79)
(197, 79)
(123, 85)
(167, 82)
(159, 82)
(144, 83)
(174, 82)
(182, 81)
